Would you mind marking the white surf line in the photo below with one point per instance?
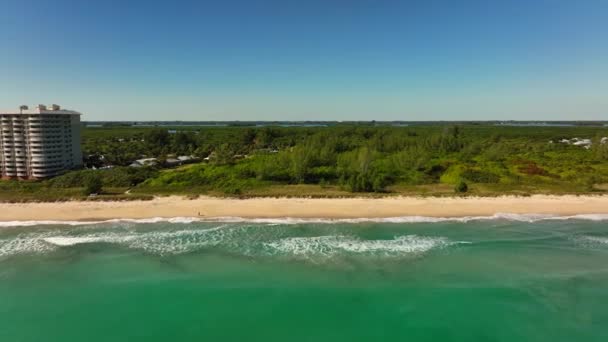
(295, 220)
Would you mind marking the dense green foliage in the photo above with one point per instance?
(115, 177)
(114, 182)
(461, 187)
(92, 185)
(367, 158)
(374, 159)
(345, 159)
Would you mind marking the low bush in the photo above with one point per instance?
(461, 187)
(478, 176)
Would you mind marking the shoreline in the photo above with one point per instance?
(305, 208)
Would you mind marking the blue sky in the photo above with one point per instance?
(308, 60)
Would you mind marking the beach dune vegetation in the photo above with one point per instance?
(350, 159)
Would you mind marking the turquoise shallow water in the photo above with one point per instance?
(482, 280)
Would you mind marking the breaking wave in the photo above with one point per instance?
(530, 218)
(24, 244)
(591, 241)
(334, 245)
(246, 240)
(85, 223)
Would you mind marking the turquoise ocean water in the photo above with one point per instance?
(412, 279)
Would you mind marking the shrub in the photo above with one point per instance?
(461, 187)
(116, 177)
(232, 190)
(477, 176)
(366, 182)
(435, 171)
(92, 185)
(533, 169)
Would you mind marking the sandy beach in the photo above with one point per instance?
(209, 207)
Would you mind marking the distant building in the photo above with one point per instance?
(581, 142)
(170, 161)
(144, 162)
(39, 143)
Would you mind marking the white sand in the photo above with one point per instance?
(210, 207)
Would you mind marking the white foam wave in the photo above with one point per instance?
(409, 219)
(597, 239)
(71, 241)
(591, 241)
(531, 218)
(332, 245)
(23, 244)
(157, 242)
(85, 223)
(160, 242)
(238, 239)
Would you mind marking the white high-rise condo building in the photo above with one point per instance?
(39, 143)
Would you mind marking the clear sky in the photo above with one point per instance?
(308, 59)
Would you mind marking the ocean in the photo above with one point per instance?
(504, 278)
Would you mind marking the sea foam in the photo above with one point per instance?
(531, 218)
(24, 244)
(239, 239)
(591, 241)
(333, 245)
(71, 240)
